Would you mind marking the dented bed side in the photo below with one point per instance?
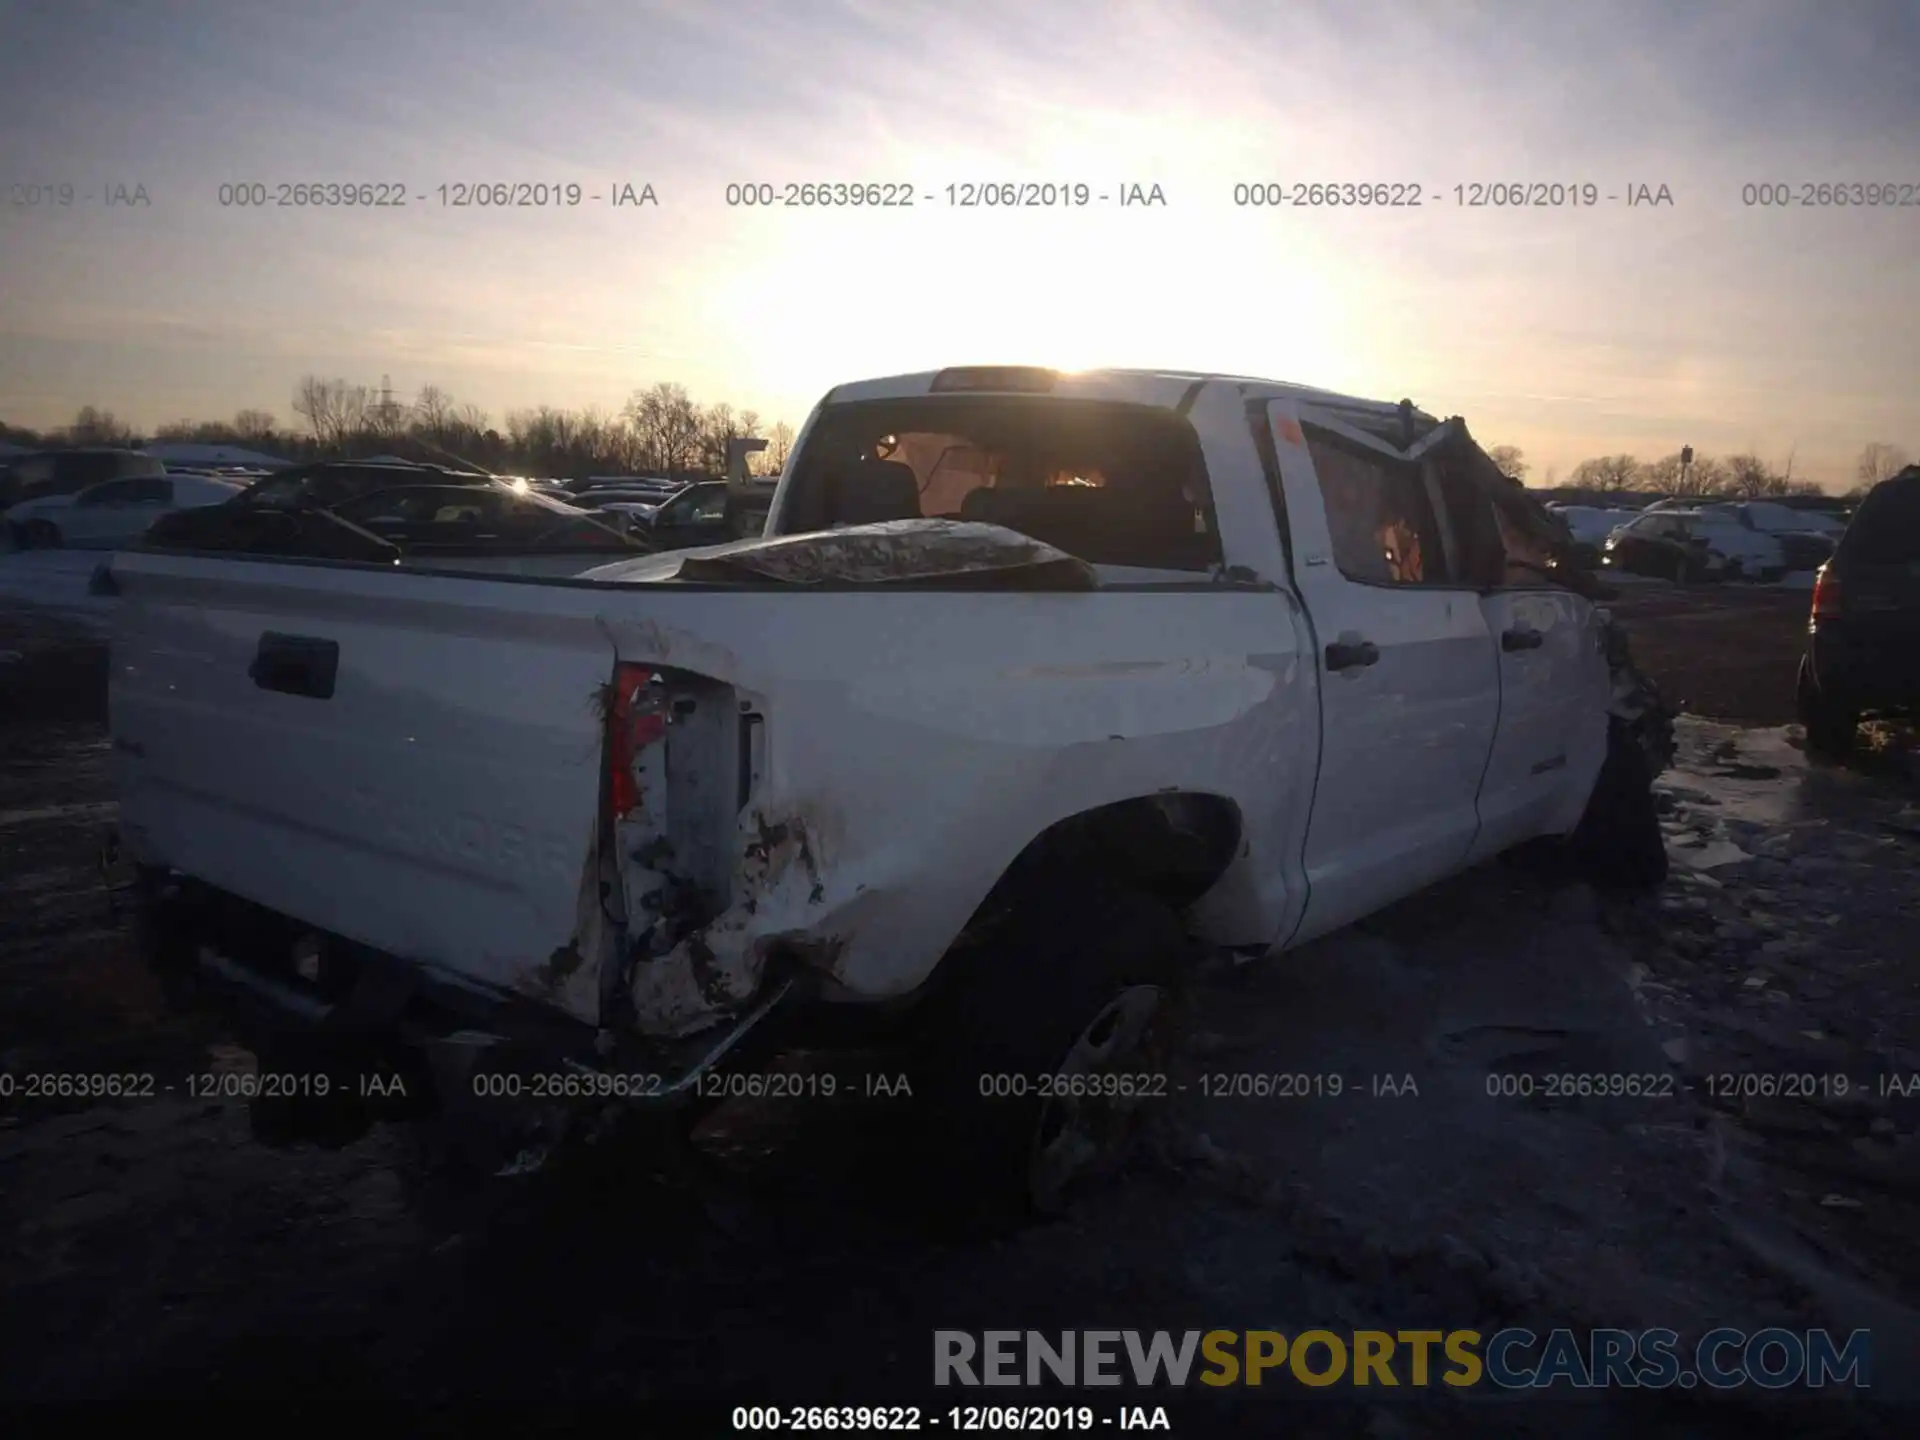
(879, 797)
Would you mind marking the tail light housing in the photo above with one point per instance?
(1826, 594)
(636, 720)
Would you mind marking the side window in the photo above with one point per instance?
(152, 490)
(116, 492)
(1378, 515)
(709, 508)
(136, 464)
(92, 469)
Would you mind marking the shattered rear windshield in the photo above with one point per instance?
(1111, 484)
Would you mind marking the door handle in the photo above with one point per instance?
(296, 665)
(1342, 655)
(1521, 638)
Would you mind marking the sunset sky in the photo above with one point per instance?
(1569, 332)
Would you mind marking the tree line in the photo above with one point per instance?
(1745, 476)
(660, 429)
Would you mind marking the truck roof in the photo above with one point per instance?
(1164, 388)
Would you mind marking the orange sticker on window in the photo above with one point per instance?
(1289, 431)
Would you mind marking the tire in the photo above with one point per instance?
(1079, 981)
(1618, 844)
(44, 535)
(1831, 729)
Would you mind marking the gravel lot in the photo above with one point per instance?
(158, 1256)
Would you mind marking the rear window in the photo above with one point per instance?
(1886, 527)
(1112, 484)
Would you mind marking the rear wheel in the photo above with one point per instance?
(1831, 729)
(43, 535)
(1045, 1051)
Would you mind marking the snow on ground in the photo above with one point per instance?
(55, 580)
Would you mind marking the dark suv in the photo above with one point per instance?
(1863, 638)
(67, 472)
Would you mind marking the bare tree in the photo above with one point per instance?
(668, 425)
(175, 431)
(1879, 461)
(1511, 459)
(312, 402)
(255, 427)
(1749, 477)
(1670, 476)
(94, 426)
(433, 414)
(779, 446)
(718, 425)
(1608, 472)
(334, 410)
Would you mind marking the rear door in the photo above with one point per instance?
(1555, 683)
(1409, 681)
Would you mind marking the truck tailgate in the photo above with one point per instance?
(409, 761)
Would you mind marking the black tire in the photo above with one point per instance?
(1071, 966)
(1831, 729)
(44, 535)
(1619, 844)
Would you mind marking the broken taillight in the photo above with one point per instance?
(1826, 593)
(636, 720)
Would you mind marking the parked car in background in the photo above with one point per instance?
(698, 515)
(1863, 636)
(1806, 537)
(111, 514)
(407, 515)
(1591, 524)
(326, 482)
(1701, 543)
(44, 473)
(654, 488)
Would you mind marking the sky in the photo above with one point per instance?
(1570, 331)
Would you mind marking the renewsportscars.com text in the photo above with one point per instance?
(1512, 1359)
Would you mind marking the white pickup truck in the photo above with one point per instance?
(1033, 681)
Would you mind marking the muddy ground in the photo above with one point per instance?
(157, 1257)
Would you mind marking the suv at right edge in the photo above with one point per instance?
(1863, 637)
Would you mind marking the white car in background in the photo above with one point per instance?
(112, 513)
(1708, 542)
(1591, 524)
